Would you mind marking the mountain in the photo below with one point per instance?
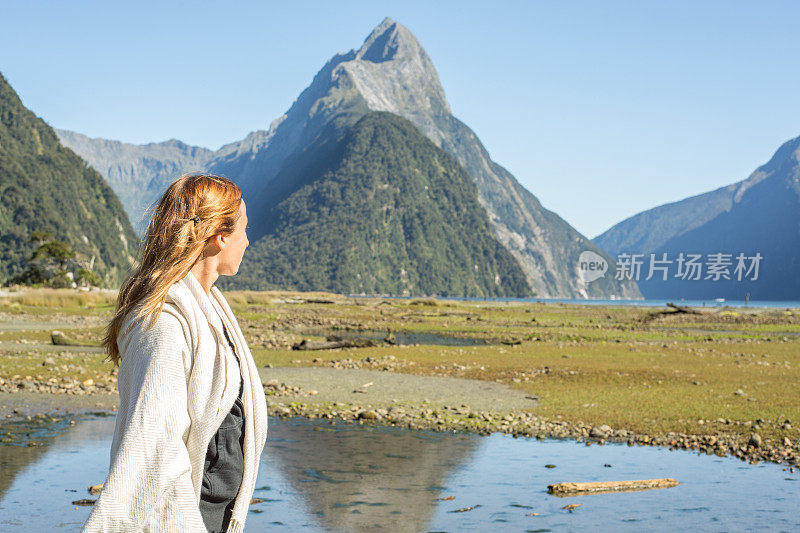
(392, 72)
(47, 187)
(137, 173)
(649, 230)
(383, 211)
(759, 215)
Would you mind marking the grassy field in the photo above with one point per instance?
(725, 370)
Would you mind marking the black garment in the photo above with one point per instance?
(224, 466)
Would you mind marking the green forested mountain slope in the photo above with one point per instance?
(46, 187)
(379, 209)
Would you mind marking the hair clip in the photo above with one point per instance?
(196, 219)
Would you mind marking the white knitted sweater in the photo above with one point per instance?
(177, 382)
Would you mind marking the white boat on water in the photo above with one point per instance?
(719, 300)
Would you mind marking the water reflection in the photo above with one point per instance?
(401, 338)
(362, 478)
(24, 441)
(318, 477)
(39, 486)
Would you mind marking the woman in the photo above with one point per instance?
(192, 417)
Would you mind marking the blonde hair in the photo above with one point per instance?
(194, 208)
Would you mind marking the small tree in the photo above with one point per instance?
(54, 251)
(40, 237)
(53, 262)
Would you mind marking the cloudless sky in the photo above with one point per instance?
(601, 109)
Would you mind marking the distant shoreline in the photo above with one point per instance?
(761, 304)
(638, 303)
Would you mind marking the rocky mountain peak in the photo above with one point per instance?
(392, 72)
(389, 40)
(389, 72)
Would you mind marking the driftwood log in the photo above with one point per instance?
(597, 487)
(682, 309)
(333, 342)
(673, 310)
(60, 339)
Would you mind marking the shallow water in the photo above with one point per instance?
(321, 477)
(404, 338)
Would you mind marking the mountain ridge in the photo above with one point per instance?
(760, 214)
(137, 172)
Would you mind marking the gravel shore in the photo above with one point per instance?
(390, 388)
(416, 402)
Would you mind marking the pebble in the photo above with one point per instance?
(599, 432)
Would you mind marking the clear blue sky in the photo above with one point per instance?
(601, 109)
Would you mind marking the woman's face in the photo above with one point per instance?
(235, 244)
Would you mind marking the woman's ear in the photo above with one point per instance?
(220, 240)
